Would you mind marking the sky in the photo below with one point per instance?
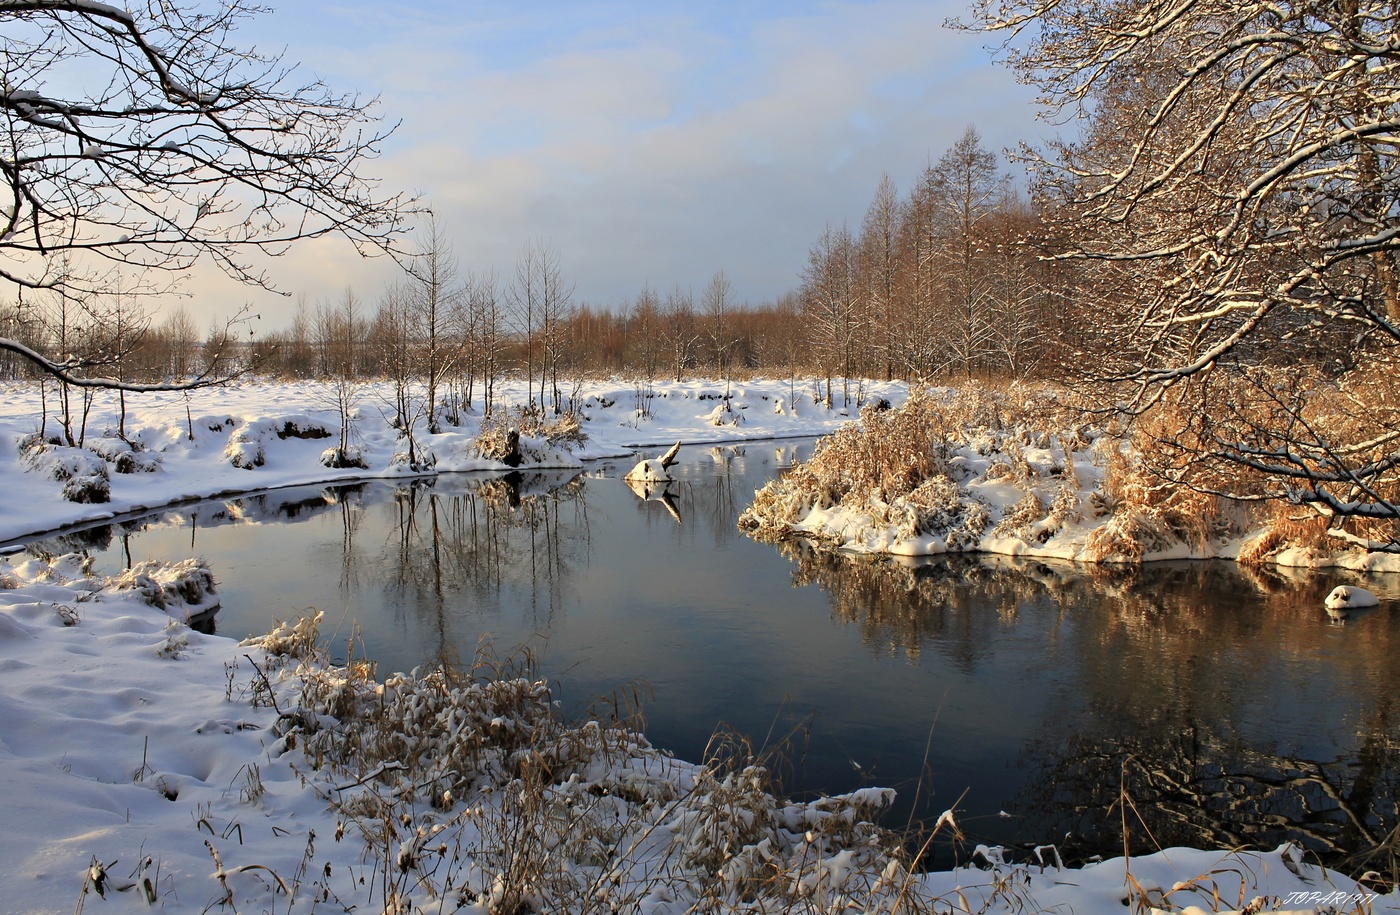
(645, 143)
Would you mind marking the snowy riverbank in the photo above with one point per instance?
(189, 447)
(1019, 472)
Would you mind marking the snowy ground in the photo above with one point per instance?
(142, 764)
(239, 421)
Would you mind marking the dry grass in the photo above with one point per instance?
(466, 787)
(1155, 497)
(898, 460)
(1287, 527)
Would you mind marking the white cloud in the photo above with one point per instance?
(658, 147)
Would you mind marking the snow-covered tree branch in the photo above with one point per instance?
(1233, 204)
(138, 141)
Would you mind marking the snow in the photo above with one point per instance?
(1350, 597)
(652, 471)
(195, 452)
(145, 765)
(1017, 490)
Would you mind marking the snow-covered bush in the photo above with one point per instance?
(246, 448)
(295, 640)
(1013, 470)
(123, 455)
(340, 458)
(890, 456)
(472, 787)
(85, 476)
(724, 414)
(187, 584)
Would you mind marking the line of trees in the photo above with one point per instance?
(943, 284)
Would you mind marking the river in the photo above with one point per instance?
(1190, 703)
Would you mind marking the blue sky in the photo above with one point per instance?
(648, 143)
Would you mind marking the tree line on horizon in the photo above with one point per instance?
(942, 284)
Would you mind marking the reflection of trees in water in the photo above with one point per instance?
(1173, 668)
(718, 497)
(1190, 785)
(282, 505)
(1164, 676)
(710, 499)
(455, 553)
(954, 604)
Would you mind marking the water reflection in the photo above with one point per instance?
(1203, 704)
(1221, 699)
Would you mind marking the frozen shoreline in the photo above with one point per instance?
(997, 474)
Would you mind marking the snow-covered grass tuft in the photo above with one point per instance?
(340, 458)
(84, 475)
(468, 788)
(182, 589)
(1016, 471)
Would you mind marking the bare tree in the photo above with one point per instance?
(180, 337)
(541, 299)
(436, 300)
(965, 192)
(1015, 291)
(392, 337)
(340, 329)
(679, 329)
(137, 141)
(719, 331)
(879, 272)
(486, 334)
(525, 296)
(829, 306)
(921, 280)
(1240, 176)
(644, 329)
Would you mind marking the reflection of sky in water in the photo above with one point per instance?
(1006, 665)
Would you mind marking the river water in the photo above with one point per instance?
(1030, 697)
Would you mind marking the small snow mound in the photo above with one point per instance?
(84, 475)
(340, 458)
(723, 415)
(1348, 597)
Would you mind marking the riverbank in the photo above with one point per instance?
(1023, 472)
(1017, 472)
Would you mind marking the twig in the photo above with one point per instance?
(272, 697)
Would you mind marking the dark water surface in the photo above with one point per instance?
(1026, 694)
